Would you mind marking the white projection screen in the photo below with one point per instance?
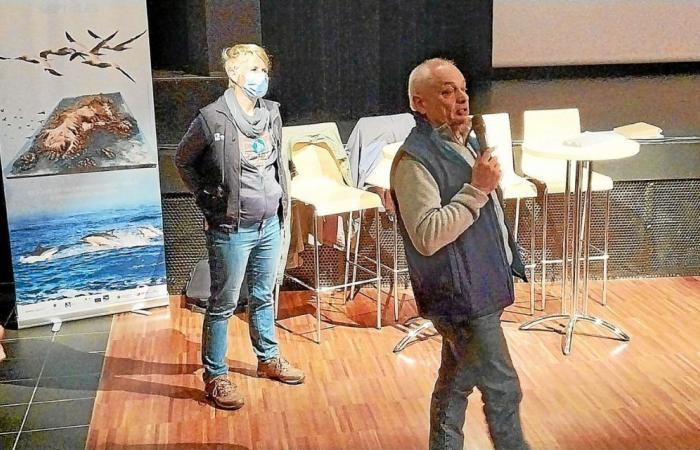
(532, 33)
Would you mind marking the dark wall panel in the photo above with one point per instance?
(341, 60)
(325, 56)
(188, 35)
(169, 32)
(230, 22)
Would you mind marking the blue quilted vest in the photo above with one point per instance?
(469, 277)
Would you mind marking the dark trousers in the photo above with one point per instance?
(475, 354)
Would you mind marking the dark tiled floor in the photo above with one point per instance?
(48, 384)
(66, 438)
(54, 414)
(20, 368)
(16, 392)
(60, 388)
(11, 418)
(7, 440)
(26, 348)
(65, 361)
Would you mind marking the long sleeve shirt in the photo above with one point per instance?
(429, 224)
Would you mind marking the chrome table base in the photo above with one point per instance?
(413, 333)
(573, 318)
(578, 300)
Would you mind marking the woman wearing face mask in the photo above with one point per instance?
(231, 159)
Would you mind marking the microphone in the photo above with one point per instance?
(479, 128)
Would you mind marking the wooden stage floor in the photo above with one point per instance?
(360, 395)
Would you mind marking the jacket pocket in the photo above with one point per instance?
(212, 202)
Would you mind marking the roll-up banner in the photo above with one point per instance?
(79, 159)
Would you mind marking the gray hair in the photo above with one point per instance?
(422, 72)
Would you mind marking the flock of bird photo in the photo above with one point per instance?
(93, 56)
(39, 119)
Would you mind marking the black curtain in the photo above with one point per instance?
(167, 32)
(342, 59)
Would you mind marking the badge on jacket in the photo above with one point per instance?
(218, 137)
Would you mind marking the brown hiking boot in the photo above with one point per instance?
(223, 393)
(279, 369)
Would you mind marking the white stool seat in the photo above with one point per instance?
(329, 198)
(380, 176)
(516, 186)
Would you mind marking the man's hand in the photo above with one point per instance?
(487, 172)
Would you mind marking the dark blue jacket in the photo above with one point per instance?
(209, 161)
(469, 277)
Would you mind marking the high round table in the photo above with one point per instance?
(589, 148)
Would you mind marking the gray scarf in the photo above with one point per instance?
(251, 126)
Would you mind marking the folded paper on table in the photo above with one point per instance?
(639, 130)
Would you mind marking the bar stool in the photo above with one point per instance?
(367, 147)
(557, 125)
(380, 178)
(513, 186)
(316, 152)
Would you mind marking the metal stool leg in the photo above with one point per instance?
(587, 238)
(348, 240)
(544, 247)
(277, 299)
(317, 280)
(605, 248)
(357, 250)
(565, 240)
(396, 267)
(532, 248)
(532, 257)
(379, 269)
(517, 219)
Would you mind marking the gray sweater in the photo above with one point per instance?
(429, 224)
(260, 191)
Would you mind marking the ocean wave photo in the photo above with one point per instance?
(64, 256)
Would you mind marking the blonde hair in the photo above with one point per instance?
(421, 72)
(230, 55)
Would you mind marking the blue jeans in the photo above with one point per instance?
(475, 354)
(253, 251)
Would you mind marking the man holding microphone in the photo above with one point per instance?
(461, 256)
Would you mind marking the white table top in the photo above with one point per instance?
(616, 148)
